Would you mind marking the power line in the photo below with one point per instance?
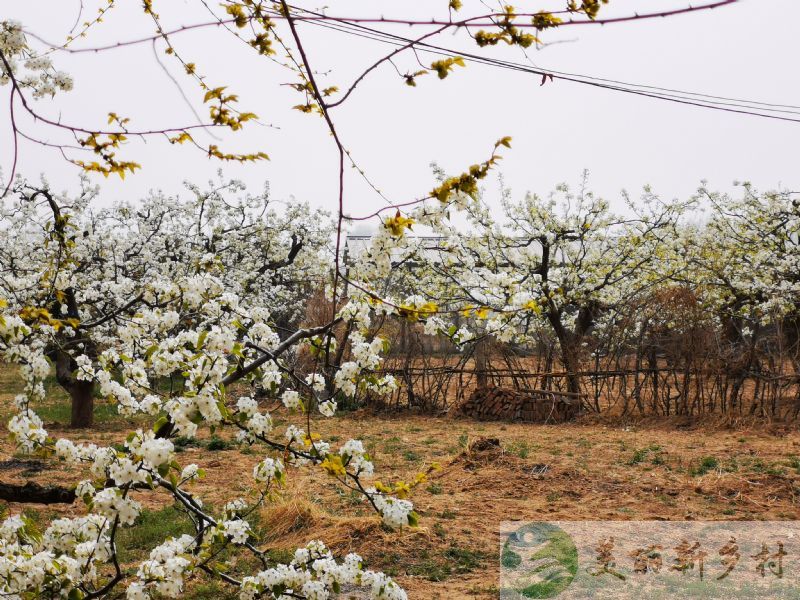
(701, 100)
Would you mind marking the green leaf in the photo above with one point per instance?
(160, 423)
(201, 339)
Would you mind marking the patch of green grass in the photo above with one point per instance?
(731, 465)
(519, 448)
(61, 412)
(411, 456)
(463, 440)
(215, 444)
(182, 442)
(666, 499)
(280, 555)
(465, 559)
(707, 463)
(211, 591)
(435, 488)
(455, 560)
(350, 497)
(448, 514)
(152, 527)
(392, 445)
(640, 455)
(776, 470)
(490, 590)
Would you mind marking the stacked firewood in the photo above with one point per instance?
(532, 406)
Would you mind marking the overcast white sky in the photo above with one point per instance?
(747, 50)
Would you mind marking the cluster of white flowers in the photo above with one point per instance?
(382, 386)
(247, 406)
(113, 503)
(270, 374)
(164, 571)
(294, 435)
(191, 471)
(395, 511)
(153, 451)
(85, 371)
(315, 575)
(260, 424)
(238, 530)
(366, 358)
(355, 456)
(268, 470)
(291, 399)
(327, 408)
(316, 381)
(39, 75)
(55, 563)
(235, 507)
(28, 431)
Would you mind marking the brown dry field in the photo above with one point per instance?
(586, 470)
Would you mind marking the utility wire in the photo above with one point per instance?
(722, 103)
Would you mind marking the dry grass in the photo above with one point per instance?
(581, 471)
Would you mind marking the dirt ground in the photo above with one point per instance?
(579, 471)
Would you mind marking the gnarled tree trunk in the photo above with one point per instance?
(80, 392)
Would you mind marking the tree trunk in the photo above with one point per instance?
(569, 357)
(80, 392)
(570, 342)
(82, 404)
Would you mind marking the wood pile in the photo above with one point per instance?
(531, 406)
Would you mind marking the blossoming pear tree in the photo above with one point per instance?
(566, 263)
(83, 271)
(743, 264)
